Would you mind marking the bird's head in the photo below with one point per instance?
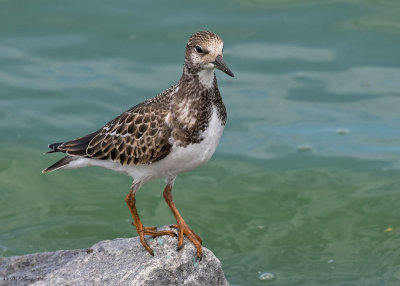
(204, 53)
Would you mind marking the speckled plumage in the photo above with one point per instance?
(146, 133)
(172, 133)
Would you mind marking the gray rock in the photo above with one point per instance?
(116, 262)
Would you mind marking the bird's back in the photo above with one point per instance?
(137, 136)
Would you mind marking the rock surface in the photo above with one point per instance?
(116, 262)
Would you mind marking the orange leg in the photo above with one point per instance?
(142, 230)
(181, 225)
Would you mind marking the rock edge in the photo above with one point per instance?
(122, 261)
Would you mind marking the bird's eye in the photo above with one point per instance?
(199, 50)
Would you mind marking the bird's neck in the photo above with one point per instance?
(199, 78)
(192, 105)
(206, 78)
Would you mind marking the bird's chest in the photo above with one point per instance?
(190, 118)
(191, 155)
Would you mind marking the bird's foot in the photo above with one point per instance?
(183, 229)
(151, 230)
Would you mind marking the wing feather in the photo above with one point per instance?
(138, 136)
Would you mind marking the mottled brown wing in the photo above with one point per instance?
(138, 136)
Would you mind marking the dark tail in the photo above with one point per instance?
(75, 147)
(54, 147)
(74, 150)
(57, 165)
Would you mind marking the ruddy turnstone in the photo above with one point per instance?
(172, 133)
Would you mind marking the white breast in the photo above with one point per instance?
(183, 159)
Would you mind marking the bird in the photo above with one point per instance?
(169, 134)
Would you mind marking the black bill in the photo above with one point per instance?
(220, 64)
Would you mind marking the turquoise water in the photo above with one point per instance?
(306, 181)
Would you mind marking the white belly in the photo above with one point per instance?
(179, 160)
(183, 159)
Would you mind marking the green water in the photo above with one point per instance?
(306, 178)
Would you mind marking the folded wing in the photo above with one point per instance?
(138, 136)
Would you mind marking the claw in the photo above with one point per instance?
(183, 229)
(155, 233)
(152, 230)
(191, 231)
(143, 230)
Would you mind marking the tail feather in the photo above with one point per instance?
(74, 150)
(75, 147)
(54, 146)
(59, 164)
